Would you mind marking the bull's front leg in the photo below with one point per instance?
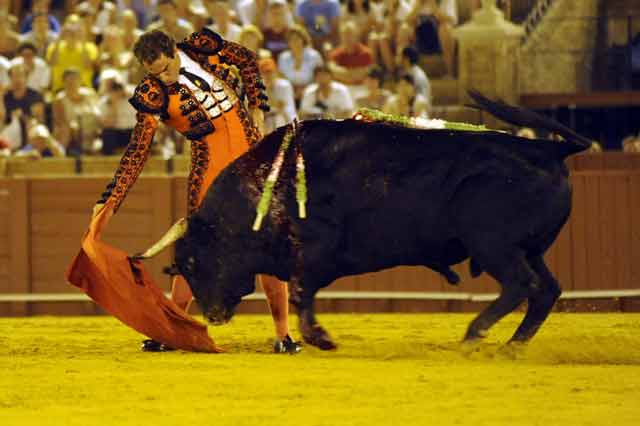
(303, 298)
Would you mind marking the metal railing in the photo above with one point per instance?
(538, 11)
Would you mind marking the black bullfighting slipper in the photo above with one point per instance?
(286, 346)
(151, 345)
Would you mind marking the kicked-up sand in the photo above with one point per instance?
(389, 369)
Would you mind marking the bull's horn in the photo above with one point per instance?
(176, 231)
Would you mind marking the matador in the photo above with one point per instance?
(208, 89)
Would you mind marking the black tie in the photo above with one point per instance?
(198, 81)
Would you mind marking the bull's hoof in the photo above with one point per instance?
(151, 345)
(286, 346)
(319, 338)
(475, 334)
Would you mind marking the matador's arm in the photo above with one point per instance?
(149, 100)
(132, 161)
(245, 60)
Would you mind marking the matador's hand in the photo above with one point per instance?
(96, 210)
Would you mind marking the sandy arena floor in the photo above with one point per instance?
(581, 369)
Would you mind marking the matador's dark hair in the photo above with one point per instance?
(152, 44)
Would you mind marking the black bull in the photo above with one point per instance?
(381, 196)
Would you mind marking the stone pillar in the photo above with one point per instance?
(488, 47)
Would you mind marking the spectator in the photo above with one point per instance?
(20, 105)
(251, 37)
(374, 95)
(387, 17)
(112, 52)
(40, 8)
(320, 18)
(409, 65)
(350, 61)
(71, 51)
(144, 10)
(169, 21)
(361, 14)
(220, 19)
(9, 39)
(41, 144)
(75, 115)
(277, 27)
(20, 97)
(37, 70)
(252, 12)
(87, 16)
(406, 102)
(40, 36)
(280, 93)
(130, 29)
(299, 62)
(102, 13)
(117, 116)
(434, 21)
(12, 134)
(5, 5)
(187, 9)
(326, 98)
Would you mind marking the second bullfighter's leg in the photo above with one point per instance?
(541, 301)
(278, 300)
(511, 269)
(312, 332)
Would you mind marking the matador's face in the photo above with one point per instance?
(165, 68)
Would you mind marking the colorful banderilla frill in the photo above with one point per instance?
(301, 181)
(368, 114)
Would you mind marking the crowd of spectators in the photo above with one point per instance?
(66, 75)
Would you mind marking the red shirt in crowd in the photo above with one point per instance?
(360, 56)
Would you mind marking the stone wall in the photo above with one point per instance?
(557, 57)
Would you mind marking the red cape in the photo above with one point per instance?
(123, 288)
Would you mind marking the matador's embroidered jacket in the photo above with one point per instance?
(207, 89)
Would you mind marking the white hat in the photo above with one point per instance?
(39, 131)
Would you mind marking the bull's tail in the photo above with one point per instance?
(527, 118)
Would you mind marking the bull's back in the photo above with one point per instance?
(392, 196)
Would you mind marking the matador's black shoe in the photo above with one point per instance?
(286, 346)
(151, 345)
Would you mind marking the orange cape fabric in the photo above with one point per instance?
(123, 288)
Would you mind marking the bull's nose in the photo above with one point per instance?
(216, 316)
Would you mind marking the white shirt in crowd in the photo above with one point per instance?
(39, 79)
(125, 114)
(311, 59)
(246, 11)
(338, 104)
(421, 81)
(280, 93)
(4, 72)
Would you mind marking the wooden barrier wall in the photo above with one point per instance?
(43, 218)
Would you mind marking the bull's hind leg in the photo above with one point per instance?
(540, 302)
(515, 276)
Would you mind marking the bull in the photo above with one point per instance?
(381, 196)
